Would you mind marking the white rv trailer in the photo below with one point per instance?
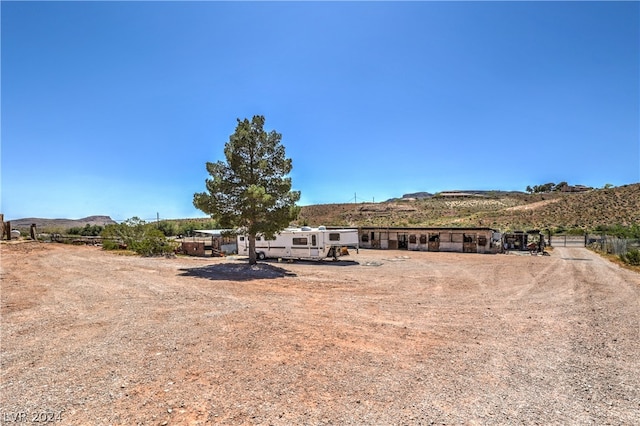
(303, 243)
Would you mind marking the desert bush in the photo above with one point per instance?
(153, 243)
(620, 231)
(186, 227)
(145, 239)
(87, 231)
(110, 245)
(632, 257)
(168, 228)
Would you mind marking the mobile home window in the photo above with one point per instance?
(241, 238)
(300, 241)
(334, 236)
(412, 238)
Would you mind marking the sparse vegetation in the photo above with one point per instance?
(87, 231)
(136, 235)
(620, 231)
(632, 257)
(573, 212)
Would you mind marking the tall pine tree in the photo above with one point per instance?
(251, 190)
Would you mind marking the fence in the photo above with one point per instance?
(612, 245)
(567, 240)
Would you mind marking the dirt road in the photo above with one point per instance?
(385, 337)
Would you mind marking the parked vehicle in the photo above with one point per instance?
(303, 243)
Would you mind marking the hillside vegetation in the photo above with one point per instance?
(503, 211)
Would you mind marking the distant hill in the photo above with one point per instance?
(414, 195)
(495, 209)
(44, 224)
(501, 210)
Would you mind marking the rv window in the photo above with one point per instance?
(300, 241)
(313, 240)
(241, 238)
(334, 236)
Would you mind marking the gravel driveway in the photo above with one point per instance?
(382, 337)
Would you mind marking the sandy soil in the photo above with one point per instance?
(381, 337)
(533, 206)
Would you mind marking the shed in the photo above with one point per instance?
(463, 240)
(218, 242)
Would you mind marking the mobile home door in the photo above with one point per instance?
(314, 250)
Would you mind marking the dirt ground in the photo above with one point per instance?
(381, 337)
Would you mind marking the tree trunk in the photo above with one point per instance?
(252, 249)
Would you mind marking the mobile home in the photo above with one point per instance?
(303, 243)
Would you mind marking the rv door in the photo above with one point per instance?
(314, 250)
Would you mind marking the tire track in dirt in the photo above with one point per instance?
(605, 316)
(434, 337)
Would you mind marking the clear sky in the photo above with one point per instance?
(113, 108)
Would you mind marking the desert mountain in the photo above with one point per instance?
(61, 223)
(495, 209)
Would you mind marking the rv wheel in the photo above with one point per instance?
(260, 255)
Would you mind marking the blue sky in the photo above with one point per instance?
(114, 107)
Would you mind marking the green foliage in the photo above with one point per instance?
(188, 226)
(620, 231)
(538, 189)
(547, 187)
(87, 231)
(575, 231)
(110, 245)
(251, 189)
(632, 257)
(184, 227)
(145, 239)
(167, 228)
(153, 243)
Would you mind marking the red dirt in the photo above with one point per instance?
(381, 337)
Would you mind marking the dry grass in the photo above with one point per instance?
(614, 258)
(600, 207)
